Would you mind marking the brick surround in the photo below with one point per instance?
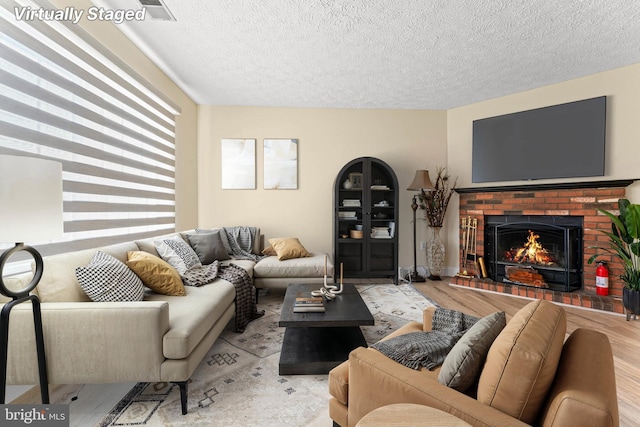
(554, 201)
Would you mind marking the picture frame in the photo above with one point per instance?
(356, 180)
(238, 164)
(280, 164)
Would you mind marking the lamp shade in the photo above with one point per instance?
(30, 199)
(421, 181)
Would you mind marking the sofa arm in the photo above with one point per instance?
(89, 342)
(584, 389)
(376, 381)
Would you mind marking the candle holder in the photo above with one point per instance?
(329, 291)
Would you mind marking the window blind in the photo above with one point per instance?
(65, 97)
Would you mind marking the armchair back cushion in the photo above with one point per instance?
(522, 362)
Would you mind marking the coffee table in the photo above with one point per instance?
(315, 343)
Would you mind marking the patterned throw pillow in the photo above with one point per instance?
(177, 253)
(106, 278)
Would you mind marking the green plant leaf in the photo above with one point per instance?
(632, 220)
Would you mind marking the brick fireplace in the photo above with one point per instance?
(575, 203)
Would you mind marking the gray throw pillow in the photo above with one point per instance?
(208, 246)
(462, 366)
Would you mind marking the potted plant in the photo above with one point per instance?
(435, 203)
(624, 243)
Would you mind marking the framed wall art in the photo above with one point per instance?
(238, 164)
(280, 164)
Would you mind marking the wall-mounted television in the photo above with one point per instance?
(560, 141)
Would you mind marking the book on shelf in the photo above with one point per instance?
(380, 187)
(309, 302)
(311, 309)
(347, 214)
(351, 203)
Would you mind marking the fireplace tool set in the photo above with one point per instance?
(469, 228)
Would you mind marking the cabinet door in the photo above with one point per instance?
(382, 246)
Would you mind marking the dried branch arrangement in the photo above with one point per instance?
(436, 201)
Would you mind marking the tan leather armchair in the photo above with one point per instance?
(531, 376)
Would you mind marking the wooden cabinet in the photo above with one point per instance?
(365, 220)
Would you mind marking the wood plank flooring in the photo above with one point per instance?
(624, 336)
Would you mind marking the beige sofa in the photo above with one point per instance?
(162, 338)
(530, 377)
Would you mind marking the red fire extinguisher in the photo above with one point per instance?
(602, 279)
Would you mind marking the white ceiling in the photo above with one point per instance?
(402, 54)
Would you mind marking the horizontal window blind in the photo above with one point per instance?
(65, 97)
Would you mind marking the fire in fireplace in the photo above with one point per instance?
(541, 251)
(531, 252)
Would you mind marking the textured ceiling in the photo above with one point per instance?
(402, 54)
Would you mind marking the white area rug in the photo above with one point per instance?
(237, 384)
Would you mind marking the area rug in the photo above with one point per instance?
(237, 383)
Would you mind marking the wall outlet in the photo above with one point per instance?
(423, 246)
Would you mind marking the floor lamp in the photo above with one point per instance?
(30, 210)
(420, 182)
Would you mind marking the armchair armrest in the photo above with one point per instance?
(376, 381)
(89, 342)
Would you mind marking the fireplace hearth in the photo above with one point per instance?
(534, 250)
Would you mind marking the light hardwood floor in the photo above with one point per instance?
(624, 336)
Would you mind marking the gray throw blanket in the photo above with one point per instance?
(428, 349)
(246, 308)
(240, 240)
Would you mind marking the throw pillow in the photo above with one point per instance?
(462, 366)
(208, 246)
(106, 278)
(269, 251)
(178, 253)
(156, 273)
(288, 248)
(522, 361)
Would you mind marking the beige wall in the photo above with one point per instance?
(622, 88)
(186, 123)
(329, 138)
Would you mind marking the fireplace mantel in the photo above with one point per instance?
(552, 186)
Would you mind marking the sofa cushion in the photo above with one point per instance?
(59, 282)
(208, 246)
(311, 266)
(106, 278)
(288, 248)
(148, 245)
(522, 362)
(178, 253)
(462, 365)
(191, 318)
(156, 273)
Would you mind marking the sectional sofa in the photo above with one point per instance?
(161, 338)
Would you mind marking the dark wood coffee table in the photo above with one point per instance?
(315, 343)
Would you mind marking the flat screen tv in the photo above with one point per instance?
(560, 141)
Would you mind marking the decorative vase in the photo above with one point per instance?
(347, 185)
(436, 254)
(631, 302)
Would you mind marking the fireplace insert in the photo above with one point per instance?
(540, 251)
